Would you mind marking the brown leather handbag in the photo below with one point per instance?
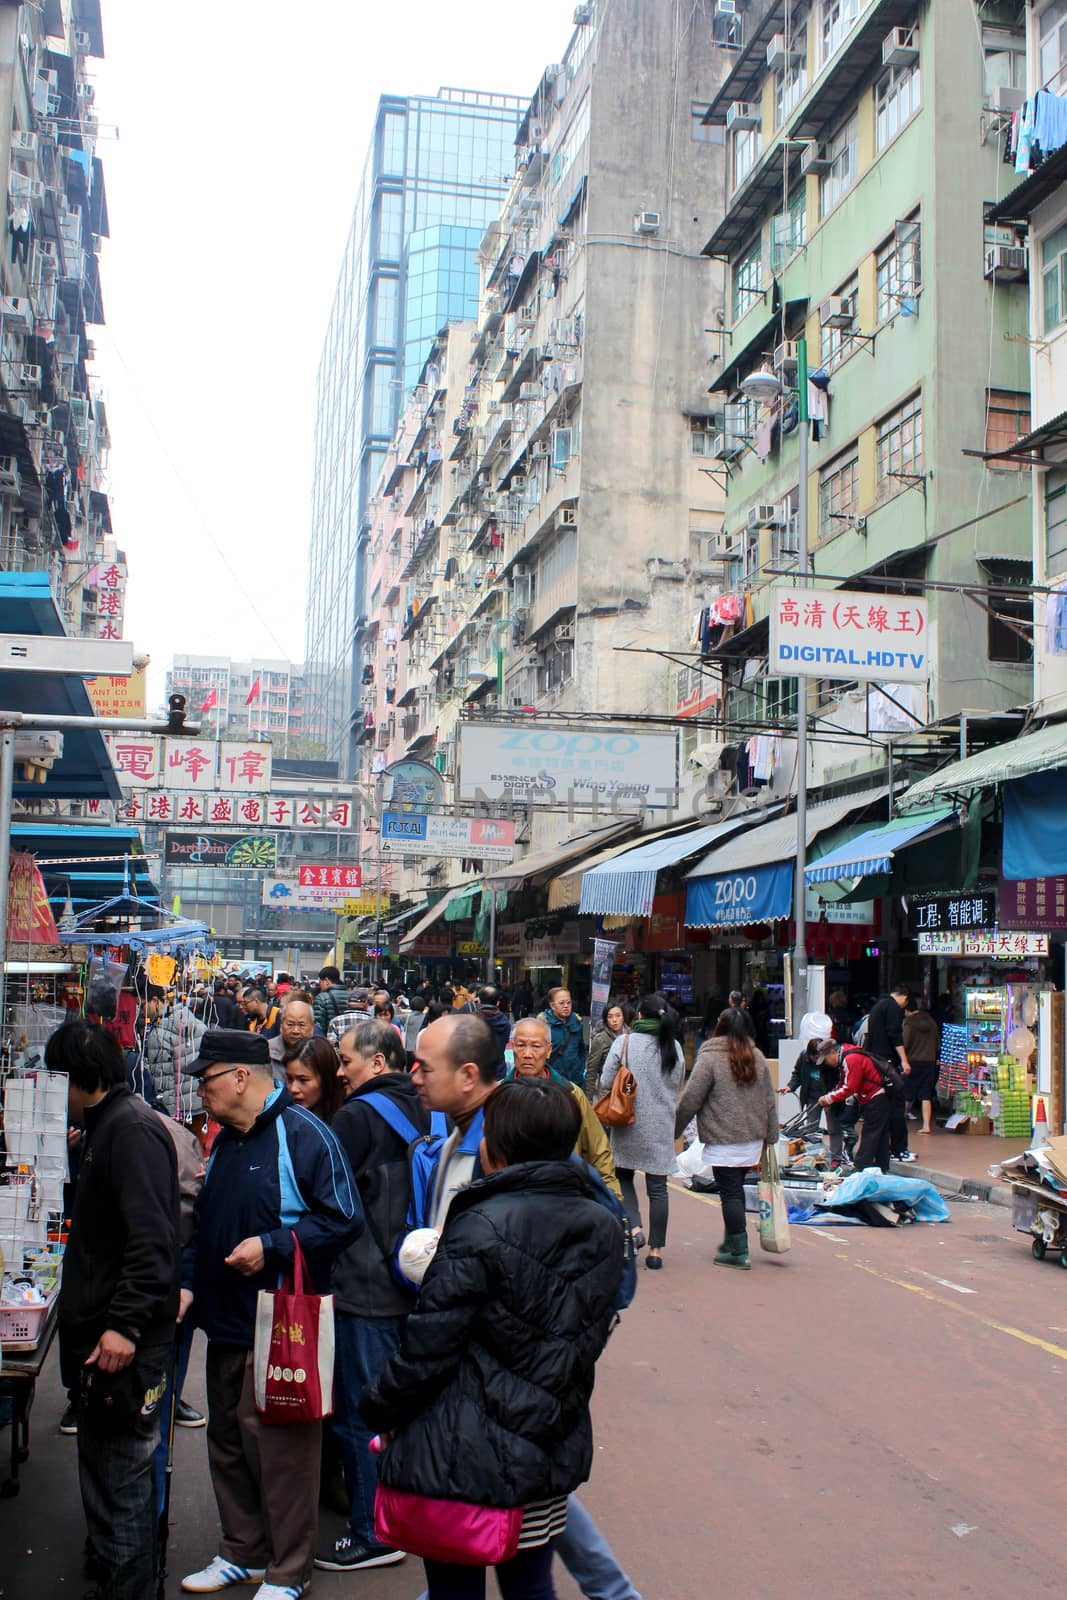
(616, 1108)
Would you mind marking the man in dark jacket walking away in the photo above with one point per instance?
(490, 1012)
(922, 1041)
(118, 1304)
(275, 1171)
(331, 1000)
(380, 1118)
(885, 1042)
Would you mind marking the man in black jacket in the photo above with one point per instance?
(490, 1013)
(885, 1041)
(380, 1118)
(117, 1304)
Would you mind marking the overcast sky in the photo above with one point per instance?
(241, 134)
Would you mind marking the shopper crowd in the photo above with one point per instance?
(439, 1168)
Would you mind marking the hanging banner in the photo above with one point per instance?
(602, 969)
(947, 913)
(1039, 903)
(838, 633)
(550, 764)
(410, 833)
(186, 809)
(735, 899)
(29, 916)
(145, 761)
(219, 850)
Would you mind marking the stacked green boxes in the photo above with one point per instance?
(1012, 1085)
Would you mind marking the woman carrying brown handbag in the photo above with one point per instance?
(651, 1052)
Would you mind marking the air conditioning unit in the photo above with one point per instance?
(527, 316)
(529, 391)
(20, 409)
(786, 360)
(899, 48)
(567, 517)
(1007, 100)
(463, 671)
(539, 448)
(85, 93)
(564, 634)
(493, 408)
(647, 222)
(16, 311)
(41, 418)
(814, 158)
(583, 15)
(763, 516)
(23, 143)
(10, 477)
(742, 114)
(1006, 263)
(782, 54)
(838, 311)
(27, 375)
(723, 546)
(54, 105)
(726, 447)
(83, 40)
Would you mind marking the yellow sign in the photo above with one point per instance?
(119, 697)
(367, 905)
(471, 947)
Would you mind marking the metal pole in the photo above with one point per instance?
(46, 721)
(490, 966)
(378, 917)
(800, 949)
(7, 781)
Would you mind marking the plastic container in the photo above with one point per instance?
(22, 1324)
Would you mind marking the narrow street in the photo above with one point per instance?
(870, 1414)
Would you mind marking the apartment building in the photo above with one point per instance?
(863, 146)
(434, 176)
(54, 510)
(243, 699)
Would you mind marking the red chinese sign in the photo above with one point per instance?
(29, 916)
(331, 877)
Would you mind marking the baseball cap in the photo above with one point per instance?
(234, 1047)
(826, 1048)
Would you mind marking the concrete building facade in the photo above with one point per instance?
(243, 699)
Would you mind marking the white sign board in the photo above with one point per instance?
(838, 913)
(551, 764)
(839, 633)
(414, 834)
(304, 896)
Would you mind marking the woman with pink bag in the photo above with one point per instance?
(485, 1407)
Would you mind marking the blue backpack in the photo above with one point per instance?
(604, 1197)
(423, 1155)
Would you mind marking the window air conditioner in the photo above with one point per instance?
(1006, 263)
(10, 478)
(564, 634)
(647, 222)
(838, 311)
(567, 517)
(742, 114)
(539, 448)
(814, 158)
(83, 40)
(899, 48)
(1007, 100)
(23, 143)
(17, 311)
(726, 447)
(786, 360)
(583, 15)
(27, 375)
(493, 408)
(780, 54)
(763, 516)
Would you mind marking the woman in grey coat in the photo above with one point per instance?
(652, 1053)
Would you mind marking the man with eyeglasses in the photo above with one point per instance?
(275, 1170)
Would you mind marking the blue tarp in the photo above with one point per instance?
(1035, 825)
(871, 1184)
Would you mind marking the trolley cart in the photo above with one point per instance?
(1041, 1213)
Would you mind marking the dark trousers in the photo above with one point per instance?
(873, 1149)
(363, 1346)
(898, 1124)
(656, 1188)
(265, 1475)
(731, 1182)
(115, 1471)
(527, 1576)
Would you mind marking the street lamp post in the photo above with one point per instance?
(768, 386)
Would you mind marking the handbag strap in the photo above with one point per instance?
(300, 1271)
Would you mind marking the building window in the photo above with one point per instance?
(789, 231)
(900, 446)
(780, 699)
(838, 19)
(702, 432)
(841, 153)
(784, 547)
(839, 491)
(836, 343)
(748, 274)
(1054, 277)
(1052, 47)
(790, 87)
(746, 151)
(896, 100)
(1004, 51)
(1007, 418)
(899, 270)
(704, 132)
(1056, 523)
(1011, 617)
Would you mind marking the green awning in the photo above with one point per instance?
(463, 905)
(1034, 752)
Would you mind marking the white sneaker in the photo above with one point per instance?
(909, 1155)
(276, 1591)
(221, 1574)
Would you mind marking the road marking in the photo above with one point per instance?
(946, 1283)
(1056, 1350)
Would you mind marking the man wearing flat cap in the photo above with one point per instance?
(275, 1170)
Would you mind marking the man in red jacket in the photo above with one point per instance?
(861, 1079)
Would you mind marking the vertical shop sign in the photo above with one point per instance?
(603, 967)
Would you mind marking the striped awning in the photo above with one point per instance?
(626, 886)
(874, 850)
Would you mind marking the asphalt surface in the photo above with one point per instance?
(875, 1413)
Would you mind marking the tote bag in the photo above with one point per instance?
(773, 1215)
(445, 1530)
(616, 1109)
(293, 1351)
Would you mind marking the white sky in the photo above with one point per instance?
(242, 133)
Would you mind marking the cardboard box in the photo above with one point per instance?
(979, 1125)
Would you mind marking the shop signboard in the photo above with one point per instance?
(601, 974)
(1038, 903)
(119, 697)
(940, 944)
(1005, 945)
(547, 950)
(736, 899)
(286, 890)
(415, 834)
(838, 913)
(365, 905)
(434, 942)
(509, 941)
(840, 633)
(411, 785)
(947, 913)
(203, 766)
(471, 947)
(219, 850)
(186, 808)
(549, 763)
(319, 877)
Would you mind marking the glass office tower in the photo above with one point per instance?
(434, 178)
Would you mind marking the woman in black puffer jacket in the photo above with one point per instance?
(488, 1396)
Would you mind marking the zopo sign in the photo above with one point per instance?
(735, 891)
(551, 741)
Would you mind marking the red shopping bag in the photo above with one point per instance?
(293, 1353)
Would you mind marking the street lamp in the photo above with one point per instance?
(766, 387)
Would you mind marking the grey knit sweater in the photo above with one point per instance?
(647, 1146)
(728, 1112)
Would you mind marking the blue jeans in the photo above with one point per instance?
(527, 1576)
(363, 1345)
(587, 1556)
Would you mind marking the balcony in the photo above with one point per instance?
(552, 601)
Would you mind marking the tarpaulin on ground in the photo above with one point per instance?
(886, 1188)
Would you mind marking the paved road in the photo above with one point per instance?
(877, 1413)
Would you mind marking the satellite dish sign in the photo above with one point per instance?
(411, 786)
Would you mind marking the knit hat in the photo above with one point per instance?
(234, 1047)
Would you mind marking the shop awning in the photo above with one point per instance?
(626, 886)
(463, 906)
(548, 862)
(1034, 752)
(435, 912)
(739, 899)
(405, 916)
(874, 850)
(777, 840)
(565, 891)
(85, 863)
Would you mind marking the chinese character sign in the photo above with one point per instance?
(191, 764)
(244, 766)
(1033, 903)
(832, 633)
(948, 913)
(331, 877)
(135, 758)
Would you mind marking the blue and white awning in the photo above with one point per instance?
(874, 850)
(626, 885)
